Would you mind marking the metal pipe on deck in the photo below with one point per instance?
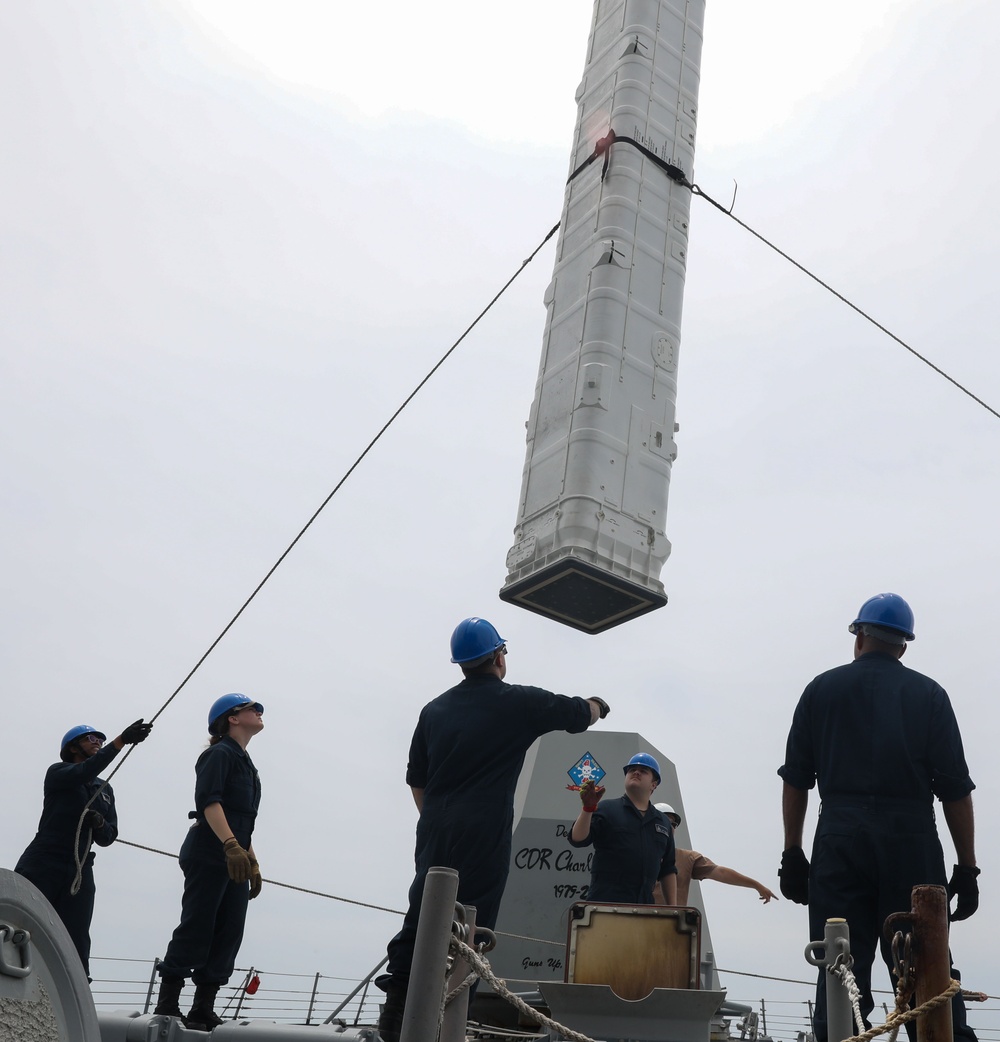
(835, 946)
(364, 984)
(430, 956)
(456, 1013)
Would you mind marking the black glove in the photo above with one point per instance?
(602, 705)
(963, 885)
(94, 820)
(136, 733)
(794, 875)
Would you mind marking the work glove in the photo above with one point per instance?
(590, 795)
(94, 820)
(963, 885)
(256, 882)
(602, 705)
(136, 733)
(238, 862)
(794, 875)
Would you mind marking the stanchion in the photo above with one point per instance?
(836, 943)
(456, 1014)
(430, 956)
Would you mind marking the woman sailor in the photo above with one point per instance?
(220, 868)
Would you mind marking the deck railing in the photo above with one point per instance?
(286, 998)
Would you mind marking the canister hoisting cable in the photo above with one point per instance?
(75, 887)
(675, 173)
(854, 307)
(350, 470)
(603, 148)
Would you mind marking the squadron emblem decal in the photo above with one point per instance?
(585, 769)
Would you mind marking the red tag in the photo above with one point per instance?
(253, 985)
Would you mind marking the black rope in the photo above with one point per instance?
(854, 307)
(350, 470)
(764, 976)
(396, 911)
(675, 173)
(274, 882)
(229, 625)
(603, 148)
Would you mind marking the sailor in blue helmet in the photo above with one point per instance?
(221, 873)
(633, 841)
(881, 742)
(465, 758)
(70, 784)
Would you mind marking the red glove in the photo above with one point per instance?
(590, 795)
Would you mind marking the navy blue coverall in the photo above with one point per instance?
(881, 741)
(466, 754)
(48, 860)
(214, 908)
(632, 852)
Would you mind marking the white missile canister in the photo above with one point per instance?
(590, 538)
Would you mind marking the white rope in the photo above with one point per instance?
(464, 986)
(899, 1017)
(842, 971)
(482, 968)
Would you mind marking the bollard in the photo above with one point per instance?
(430, 956)
(839, 1012)
(456, 1015)
(933, 963)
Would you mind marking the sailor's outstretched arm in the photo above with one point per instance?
(722, 874)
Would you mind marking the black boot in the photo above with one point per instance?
(168, 1000)
(202, 1016)
(390, 1020)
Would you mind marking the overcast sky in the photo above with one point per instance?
(236, 234)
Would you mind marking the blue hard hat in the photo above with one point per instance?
(644, 760)
(225, 704)
(78, 732)
(887, 610)
(474, 638)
